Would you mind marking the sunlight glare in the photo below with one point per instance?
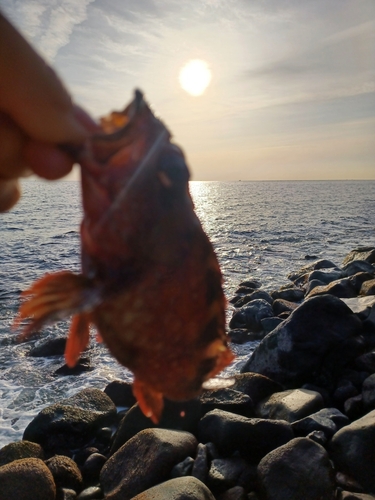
(195, 77)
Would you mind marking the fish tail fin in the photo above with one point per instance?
(78, 339)
(151, 402)
(52, 298)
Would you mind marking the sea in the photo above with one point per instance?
(262, 230)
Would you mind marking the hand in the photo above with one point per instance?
(36, 115)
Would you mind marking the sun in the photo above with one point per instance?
(195, 77)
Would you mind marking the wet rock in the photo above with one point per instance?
(362, 253)
(255, 385)
(228, 472)
(49, 347)
(342, 288)
(250, 315)
(148, 458)
(257, 294)
(298, 470)
(319, 264)
(26, 479)
(290, 405)
(91, 493)
(368, 393)
(269, 324)
(252, 283)
(326, 276)
(92, 467)
(289, 294)
(182, 488)
(251, 437)
(327, 420)
(65, 494)
(299, 349)
(121, 393)
(176, 415)
(18, 450)
(353, 448)
(242, 335)
(280, 305)
(226, 399)
(82, 455)
(65, 472)
(311, 285)
(83, 365)
(200, 465)
(72, 422)
(368, 288)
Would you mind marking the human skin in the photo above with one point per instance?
(37, 115)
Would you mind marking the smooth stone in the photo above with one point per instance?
(250, 315)
(49, 347)
(121, 393)
(82, 455)
(252, 283)
(65, 472)
(176, 415)
(65, 494)
(313, 336)
(342, 288)
(368, 393)
(269, 324)
(327, 420)
(256, 386)
(311, 285)
(290, 405)
(72, 422)
(18, 450)
(182, 488)
(225, 473)
(350, 445)
(26, 479)
(368, 288)
(91, 493)
(148, 458)
(226, 399)
(92, 467)
(251, 437)
(294, 294)
(280, 305)
(326, 276)
(298, 470)
(362, 253)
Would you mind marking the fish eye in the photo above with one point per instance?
(172, 167)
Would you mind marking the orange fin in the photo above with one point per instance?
(52, 298)
(151, 402)
(78, 339)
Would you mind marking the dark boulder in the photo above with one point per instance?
(49, 347)
(255, 385)
(343, 288)
(121, 393)
(293, 294)
(358, 266)
(65, 472)
(327, 420)
(281, 305)
(18, 450)
(229, 472)
(251, 314)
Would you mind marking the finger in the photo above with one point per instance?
(10, 193)
(47, 160)
(32, 94)
(12, 142)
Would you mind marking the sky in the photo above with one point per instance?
(292, 89)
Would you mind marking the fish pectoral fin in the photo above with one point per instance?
(151, 402)
(78, 338)
(52, 298)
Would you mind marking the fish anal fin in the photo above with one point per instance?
(151, 402)
(78, 339)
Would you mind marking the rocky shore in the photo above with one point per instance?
(297, 424)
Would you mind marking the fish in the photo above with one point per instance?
(150, 282)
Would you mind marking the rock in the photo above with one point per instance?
(182, 416)
(121, 393)
(71, 423)
(319, 264)
(251, 437)
(342, 288)
(289, 405)
(289, 294)
(326, 276)
(327, 420)
(251, 314)
(91, 493)
(345, 390)
(360, 305)
(255, 385)
(65, 472)
(348, 495)
(292, 353)
(148, 459)
(252, 283)
(200, 465)
(368, 393)
(235, 493)
(65, 494)
(362, 253)
(365, 362)
(353, 407)
(183, 468)
(83, 365)
(228, 472)
(280, 305)
(368, 288)
(49, 347)
(26, 479)
(18, 450)
(352, 449)
(269, 324)
(318, 437)
(358, 266)
(297, 470)
(82, 455)
(242, 335)
(257, 294)
(92, 467)
(226, 399)
(311, 285)
(183, 488)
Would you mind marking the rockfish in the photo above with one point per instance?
(150, 281)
